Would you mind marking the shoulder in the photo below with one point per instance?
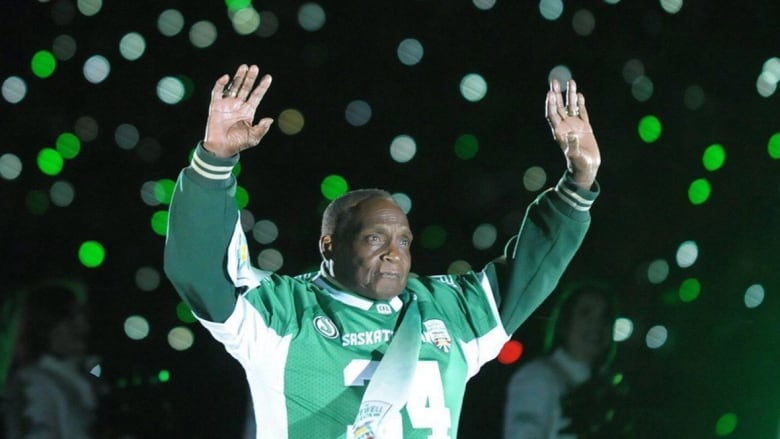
(33, 381)
(441, 283)
(538, 369)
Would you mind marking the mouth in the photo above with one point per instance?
(389, 275)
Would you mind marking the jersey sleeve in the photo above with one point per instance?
(554, 226)
(206, 257)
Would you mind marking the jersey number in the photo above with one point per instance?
(426, 406)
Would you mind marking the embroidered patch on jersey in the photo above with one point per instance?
(369, 419)
(436, 333)
(383, 308)
(326, 327)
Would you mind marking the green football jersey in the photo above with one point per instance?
(309, 348)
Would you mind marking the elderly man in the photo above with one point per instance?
(360, 349)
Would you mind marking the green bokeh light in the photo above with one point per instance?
(333, 186)
(649, 129)
(43, 64)
(699, 191)
(726, 424)
(242, 197)
(689, 290)
(164, 376)
(92, 254)
(774, 146)
(237, 169)
(714, 157)
(236, 5)
(670, 297)
(466, 147)
(163, 190)
(184, 313)
(50, 161)
(160, 222)
(68, 145)
(433, 237)
(37, 202)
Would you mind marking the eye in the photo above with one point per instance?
(374, 239)
(405, 242)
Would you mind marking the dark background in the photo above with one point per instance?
(721, 357)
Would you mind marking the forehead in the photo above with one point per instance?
(378, 211)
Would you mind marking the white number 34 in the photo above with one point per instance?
(426, 406)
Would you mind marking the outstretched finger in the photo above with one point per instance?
(581, 107)
(551, 109)
(571, 98)
(232, 88)
(259, 92)
(248, 81)
(219, 87)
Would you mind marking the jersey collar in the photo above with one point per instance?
(338, 292)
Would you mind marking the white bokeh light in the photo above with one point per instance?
(311, 17)
(622, 329)
(170, 90)
(132, 46)
(484, 236)
(687, 254)
(265, 231)
(136, 327)
(10, 166)
(96, 69)
(358, 113)
(473, 87)
(754, 296)
(410, 52)
(170, 22)
(181, 338)
(203, 34)
(403, 148)
(656, 337)
(657, 271)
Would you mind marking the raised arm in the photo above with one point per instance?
(205, 249)
(556, 222)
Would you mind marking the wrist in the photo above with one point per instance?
(584, 180)
(214, 150)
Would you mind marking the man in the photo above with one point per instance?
(361, 349)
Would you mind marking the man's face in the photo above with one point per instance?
(590, 330)
(69, 336)
(374, 259)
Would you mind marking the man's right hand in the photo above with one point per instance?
(229, 129)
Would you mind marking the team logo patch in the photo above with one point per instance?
(436, 333)
(326, 327)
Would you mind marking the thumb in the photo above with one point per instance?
(258, 131)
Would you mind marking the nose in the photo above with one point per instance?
(391, 253)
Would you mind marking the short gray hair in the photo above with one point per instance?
(336, 219)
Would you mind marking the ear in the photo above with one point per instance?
(326, 247)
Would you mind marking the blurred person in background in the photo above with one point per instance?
(52, 390)
(570, 392)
